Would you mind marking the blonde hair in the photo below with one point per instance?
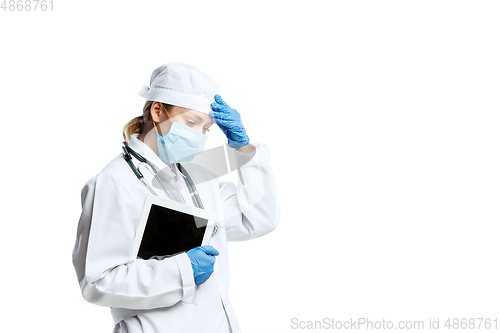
(136, 125)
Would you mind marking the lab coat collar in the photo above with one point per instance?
(150, 155)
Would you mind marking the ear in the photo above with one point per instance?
(156, 109)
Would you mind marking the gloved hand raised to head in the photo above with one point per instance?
(202, 261)
(229, 122)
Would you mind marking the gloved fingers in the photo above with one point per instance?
(202, 278)
(211, 114)
(219, 100)
(234, 117)
(217, 108)
(223, 108)
(222, 125)
(216, 115)
(227, 123)
(210, 250)
(223, 111)
(221, 119)
(207, 263)
(194, 263)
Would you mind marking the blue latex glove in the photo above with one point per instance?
(229, 122)
(202, 261)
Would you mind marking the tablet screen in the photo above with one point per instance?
(168, 232)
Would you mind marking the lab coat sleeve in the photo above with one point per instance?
(251, 208)
(108, 272)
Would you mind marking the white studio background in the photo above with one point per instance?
(383, 122)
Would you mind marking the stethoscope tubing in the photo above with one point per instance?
(127, 155)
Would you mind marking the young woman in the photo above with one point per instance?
(148, 295)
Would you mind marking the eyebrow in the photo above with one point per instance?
(199, 118)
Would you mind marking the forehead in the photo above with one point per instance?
(193, 113)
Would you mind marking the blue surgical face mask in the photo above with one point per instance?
(180, 144)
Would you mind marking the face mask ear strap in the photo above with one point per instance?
(154, 124)
(166, 112)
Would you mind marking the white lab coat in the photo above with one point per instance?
(146, 295)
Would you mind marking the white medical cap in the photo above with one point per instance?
(182, 85)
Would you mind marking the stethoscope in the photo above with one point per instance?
(127, 155)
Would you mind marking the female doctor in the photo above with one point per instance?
(149, 295)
